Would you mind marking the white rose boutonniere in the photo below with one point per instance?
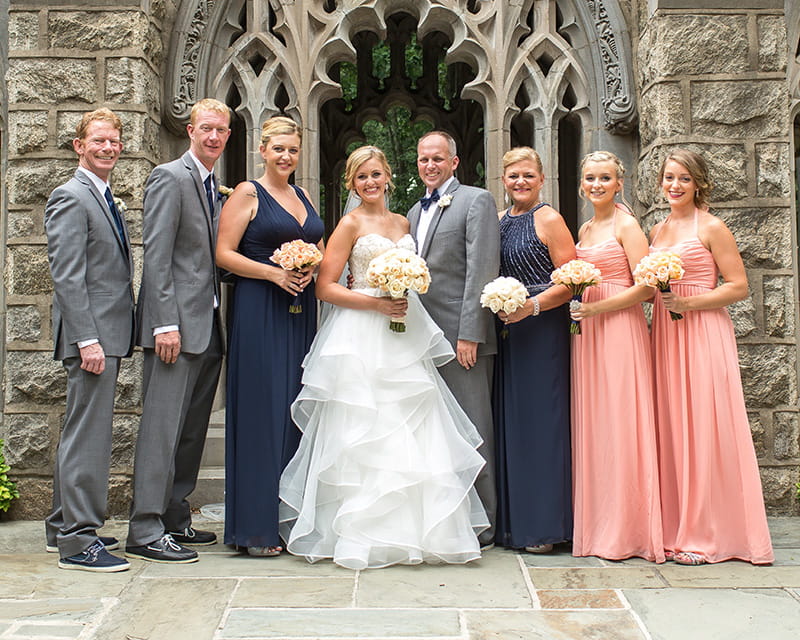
(224, 191)
(445, 200)
(119, 203)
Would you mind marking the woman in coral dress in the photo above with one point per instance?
(712, 505)
(385, 469)
(614, 459)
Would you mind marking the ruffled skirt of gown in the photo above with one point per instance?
(385, 469)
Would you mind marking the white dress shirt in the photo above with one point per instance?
(426, 215)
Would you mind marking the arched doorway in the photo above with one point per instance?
(398, 88)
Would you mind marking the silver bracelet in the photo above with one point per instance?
(536, 308)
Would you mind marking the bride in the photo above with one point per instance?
(387, 460)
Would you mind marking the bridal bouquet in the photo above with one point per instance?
(504, 294)
(657, 270)
(396, 272)
(296, 256)
(576, 275)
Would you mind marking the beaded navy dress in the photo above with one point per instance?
(531, 402)
(266, 346)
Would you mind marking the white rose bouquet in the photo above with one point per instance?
(296, 256)
(576, 275)
(657, 270)
(504, 294)
(397, 272)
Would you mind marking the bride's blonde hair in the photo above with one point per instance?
(359, 157)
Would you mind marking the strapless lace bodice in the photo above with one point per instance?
(369, 246)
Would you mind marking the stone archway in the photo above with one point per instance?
(538, 64)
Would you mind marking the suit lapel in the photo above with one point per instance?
(413, 222)
(194, 173)
(200, 188)
(437, 216)
(100, 201)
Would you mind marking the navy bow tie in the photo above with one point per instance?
(427, 202)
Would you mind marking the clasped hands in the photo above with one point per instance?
(294, 282)
(674, 303)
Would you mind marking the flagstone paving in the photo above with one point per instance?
(503, 596)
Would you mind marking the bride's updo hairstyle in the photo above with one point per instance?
(696, 166)
(359, 157)
(279, 126)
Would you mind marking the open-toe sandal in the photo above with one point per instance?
(689, 558)
(264, 552)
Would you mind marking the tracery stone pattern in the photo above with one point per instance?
(715, 81)
(63, 62)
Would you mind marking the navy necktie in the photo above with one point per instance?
(117, 217)
(210, 193)
(426, 202)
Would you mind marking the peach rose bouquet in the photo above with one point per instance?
(658, 270)
(397, 272)
(577, 276)
(504, 294)
(296, 255)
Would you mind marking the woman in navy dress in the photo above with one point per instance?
(266, 343)
(531, 396)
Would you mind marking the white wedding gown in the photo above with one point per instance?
(385, 469)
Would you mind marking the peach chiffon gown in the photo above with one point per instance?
(710, 485)
(615, 466)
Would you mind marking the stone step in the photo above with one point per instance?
(214, 451)
(210, 487)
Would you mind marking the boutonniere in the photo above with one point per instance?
(445, 200)
(119, 203)
(224, 191)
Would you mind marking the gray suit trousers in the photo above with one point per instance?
(177, 405)
(472, 389)
(80, 478)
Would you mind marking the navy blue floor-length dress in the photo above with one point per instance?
(531, 403)
(266, 346)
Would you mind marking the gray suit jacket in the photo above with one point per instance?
(179, 278)
(92, 274)
(462, 249)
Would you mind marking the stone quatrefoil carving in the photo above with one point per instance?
(295, 43)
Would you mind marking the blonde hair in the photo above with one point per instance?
(606, 156)
(697, 167)
(451, 143)
(98, 115)
(209, 104)
(518, 154)
(360, 156)
(280, 126)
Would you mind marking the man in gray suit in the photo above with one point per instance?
(93, 327)
(457, 232)
(179, 328)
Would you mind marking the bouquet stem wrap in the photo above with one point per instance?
(575, 303)
(674, 315)
(398, 324)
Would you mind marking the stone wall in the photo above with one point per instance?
(714, 81)
(65, 59)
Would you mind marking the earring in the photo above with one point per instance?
(505, 198)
